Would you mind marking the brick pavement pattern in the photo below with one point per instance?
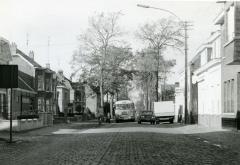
(42, 148)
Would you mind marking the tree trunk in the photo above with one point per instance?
(101, 84)
(147, 97)
(101, 88)
(156, 85)
(157, 72)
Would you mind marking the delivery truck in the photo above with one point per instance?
(164, 111)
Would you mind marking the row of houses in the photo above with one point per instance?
(214, 74)
(41, 91)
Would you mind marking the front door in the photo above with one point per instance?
(194, 116)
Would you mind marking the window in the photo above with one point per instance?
(1, 103)
(225, 96)
(229, 96)
(48, 106)
(232, 95)
(230, 23)
(209, 54)
(41, 107)
(48, 84)
(124, 106)
(26, 100)
(40, 82)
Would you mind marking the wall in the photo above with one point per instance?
(27, 124)
(230, 72)
(179, 96)
(230, 52)
(91, 100)
(63, 98)
(209, 97)
(23, 65)
(18, 107)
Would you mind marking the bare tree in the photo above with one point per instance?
(102, 34)
(159, 36)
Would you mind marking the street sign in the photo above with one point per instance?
(8, 76)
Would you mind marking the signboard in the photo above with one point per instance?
(8, 76)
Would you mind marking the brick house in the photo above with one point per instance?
(39, 82)
(23, 97)
(5, 58)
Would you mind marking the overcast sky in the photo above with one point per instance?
(63, 20)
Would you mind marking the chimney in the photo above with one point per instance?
(31, 54)
(177, 84)
(60, 72)
(48, 65)
(13, 48)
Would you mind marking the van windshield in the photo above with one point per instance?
(147, 113)
(124, 106)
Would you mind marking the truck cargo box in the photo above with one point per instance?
(164, 110)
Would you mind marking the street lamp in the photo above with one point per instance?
(185, 52)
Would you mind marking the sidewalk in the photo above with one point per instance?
(44, 131)
(5, 124)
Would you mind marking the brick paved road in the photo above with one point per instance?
(43, 147)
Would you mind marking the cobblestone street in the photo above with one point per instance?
(42, 146)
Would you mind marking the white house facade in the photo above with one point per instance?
(206, 77)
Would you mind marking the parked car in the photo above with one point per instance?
(146, 116)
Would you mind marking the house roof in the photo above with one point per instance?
(23, 85)
(62, 80)
(29, 59)
(34, 63)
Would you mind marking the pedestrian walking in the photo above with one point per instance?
(108, 117)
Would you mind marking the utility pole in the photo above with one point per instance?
(186, 111)
(186, 74)
(11, 116)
